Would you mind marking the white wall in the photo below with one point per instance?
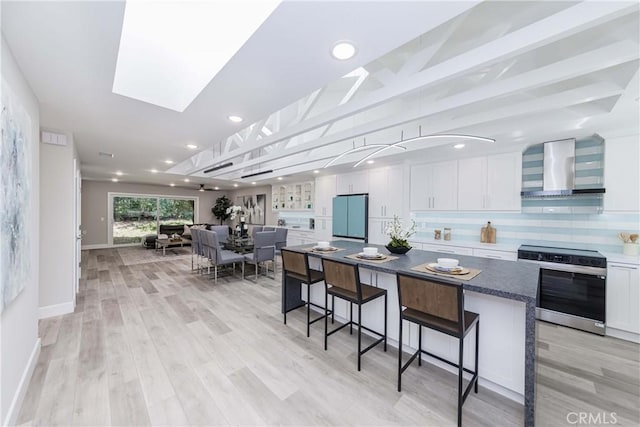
(20, 344)
(57, 235)
(95, 205)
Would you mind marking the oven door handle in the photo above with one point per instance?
(569, 268)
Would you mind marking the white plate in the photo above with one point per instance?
(444, 269)
(324, 248)
(373, 257)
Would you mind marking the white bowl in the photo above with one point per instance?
(448, 262)
(370, 251)
(322, 245)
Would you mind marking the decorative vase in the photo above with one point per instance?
(400, 250)
(630, 249)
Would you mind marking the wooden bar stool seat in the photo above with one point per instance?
(342, 280)
(438, 305)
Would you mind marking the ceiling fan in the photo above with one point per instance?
(207, 189)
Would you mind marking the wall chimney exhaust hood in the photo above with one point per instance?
(559, 172)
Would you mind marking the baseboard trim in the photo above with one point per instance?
(12, 415)
(55, 310)
(98, 246)
(623, 335)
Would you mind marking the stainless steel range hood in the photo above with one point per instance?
(559, 171)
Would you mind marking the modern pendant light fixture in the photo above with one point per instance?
(419, 138)
(361, 148)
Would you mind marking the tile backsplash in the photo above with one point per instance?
(580, 231)
(296, 219)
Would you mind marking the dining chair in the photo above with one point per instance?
(264, 250)
(222, 232)
(196, 249)
(438, 305)
(281, 240)
(218, 256)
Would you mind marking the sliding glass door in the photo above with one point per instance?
(135, 216)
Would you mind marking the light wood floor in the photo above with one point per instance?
(154, 343)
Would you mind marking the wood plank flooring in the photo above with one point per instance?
(152, 343)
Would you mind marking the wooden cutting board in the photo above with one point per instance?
(488, 233)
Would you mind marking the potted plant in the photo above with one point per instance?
(399, 236)
(221, 209)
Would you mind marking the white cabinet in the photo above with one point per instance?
(494, 254)
(325, 192)
(434, 186)
(447, 249)
(323, 229)
(378, 231)
(623, 297)
(352, 183)
(385, 192)
(490, 183)
(621, 174)
(300, 237)
(292, 196)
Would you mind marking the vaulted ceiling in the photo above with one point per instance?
(518, 72)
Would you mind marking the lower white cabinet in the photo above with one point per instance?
(623, 297)
(494, 254)
(300, 237)
(446, 249)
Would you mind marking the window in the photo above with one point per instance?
(135, 215)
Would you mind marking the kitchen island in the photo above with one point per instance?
(504, 294)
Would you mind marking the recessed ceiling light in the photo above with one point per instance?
(235, 185)
(104, 154)
(169, 162)
(114, 179)
(371, 161)
(316, 171)
(343, 50)
(119, 173)
(458, 146)
(186, 180)
(235, 119)
(192, 146)
(172, 185)
(154, 170)
(253, 183)
(216, 188)
(280, 178)
(185, 44)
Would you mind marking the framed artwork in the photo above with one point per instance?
(254, 208)
(15, 193)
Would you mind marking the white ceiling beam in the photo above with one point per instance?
(560, 25)
(608, 56)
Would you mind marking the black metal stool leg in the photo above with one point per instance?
(359, 334)
(400, 355)
(350, 318)
(419, 345)
(326, 315)
(475, 388)
(460, 372)
(308, 308)
(385, 322)
(333, 308)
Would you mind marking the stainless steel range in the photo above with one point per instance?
(571, 287)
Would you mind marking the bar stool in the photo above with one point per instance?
(437, 305)
(342, 280)
(296, 266)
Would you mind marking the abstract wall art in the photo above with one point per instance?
(254, 208)
(15, 195)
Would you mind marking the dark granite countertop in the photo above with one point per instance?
(507, 279)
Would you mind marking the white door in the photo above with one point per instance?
(77, 272)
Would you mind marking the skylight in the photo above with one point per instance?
(170, 50)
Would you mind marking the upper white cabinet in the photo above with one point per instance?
(325, 192)
(621, 174)
(623, 297)
(292, 196)
(490, 183)
(353, 183)
(385, 192)
(434, 186)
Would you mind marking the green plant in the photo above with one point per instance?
(399, 235)
(220, 209)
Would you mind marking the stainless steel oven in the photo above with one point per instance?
(571, 286)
